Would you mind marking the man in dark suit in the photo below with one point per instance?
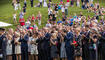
(68, 45)
(3, 44)
(24, 45)
(47, 46)
(102, 45)
(13, 49)
(40, 52)
(85, 46)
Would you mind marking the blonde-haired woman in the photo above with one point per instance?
(9, 47)
(77, 44)
(63, 55)
(34, 50)
(17, 46)
(54, 54)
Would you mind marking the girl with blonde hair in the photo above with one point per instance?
(54, 54)
(34, 50)
(9, 47)
(17, 45)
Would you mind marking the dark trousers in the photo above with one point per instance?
(40, 54)
(40, 4)
(13, 56)
(69, 52)
(85, 52)
(103, 51)
(25, 4)
(47, 54)
(31, 3)
(4, 54)
(24, 53)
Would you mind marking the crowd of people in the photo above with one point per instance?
(70, 38)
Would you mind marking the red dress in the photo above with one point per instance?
(33, 18)
(22, 22)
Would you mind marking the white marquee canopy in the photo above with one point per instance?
(3, 24)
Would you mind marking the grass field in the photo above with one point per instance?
(6, 11)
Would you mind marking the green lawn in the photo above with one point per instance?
(6, 11)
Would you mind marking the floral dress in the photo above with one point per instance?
(9, 48)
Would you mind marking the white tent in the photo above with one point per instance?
(2, 24)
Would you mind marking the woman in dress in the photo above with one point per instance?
(9, 47)
(54, 54)
(77, 45)
(29, 43)
(34, 50)
(63, 50)
(17, 45)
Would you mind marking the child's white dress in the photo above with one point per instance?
(45, 4)
(63, 9)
